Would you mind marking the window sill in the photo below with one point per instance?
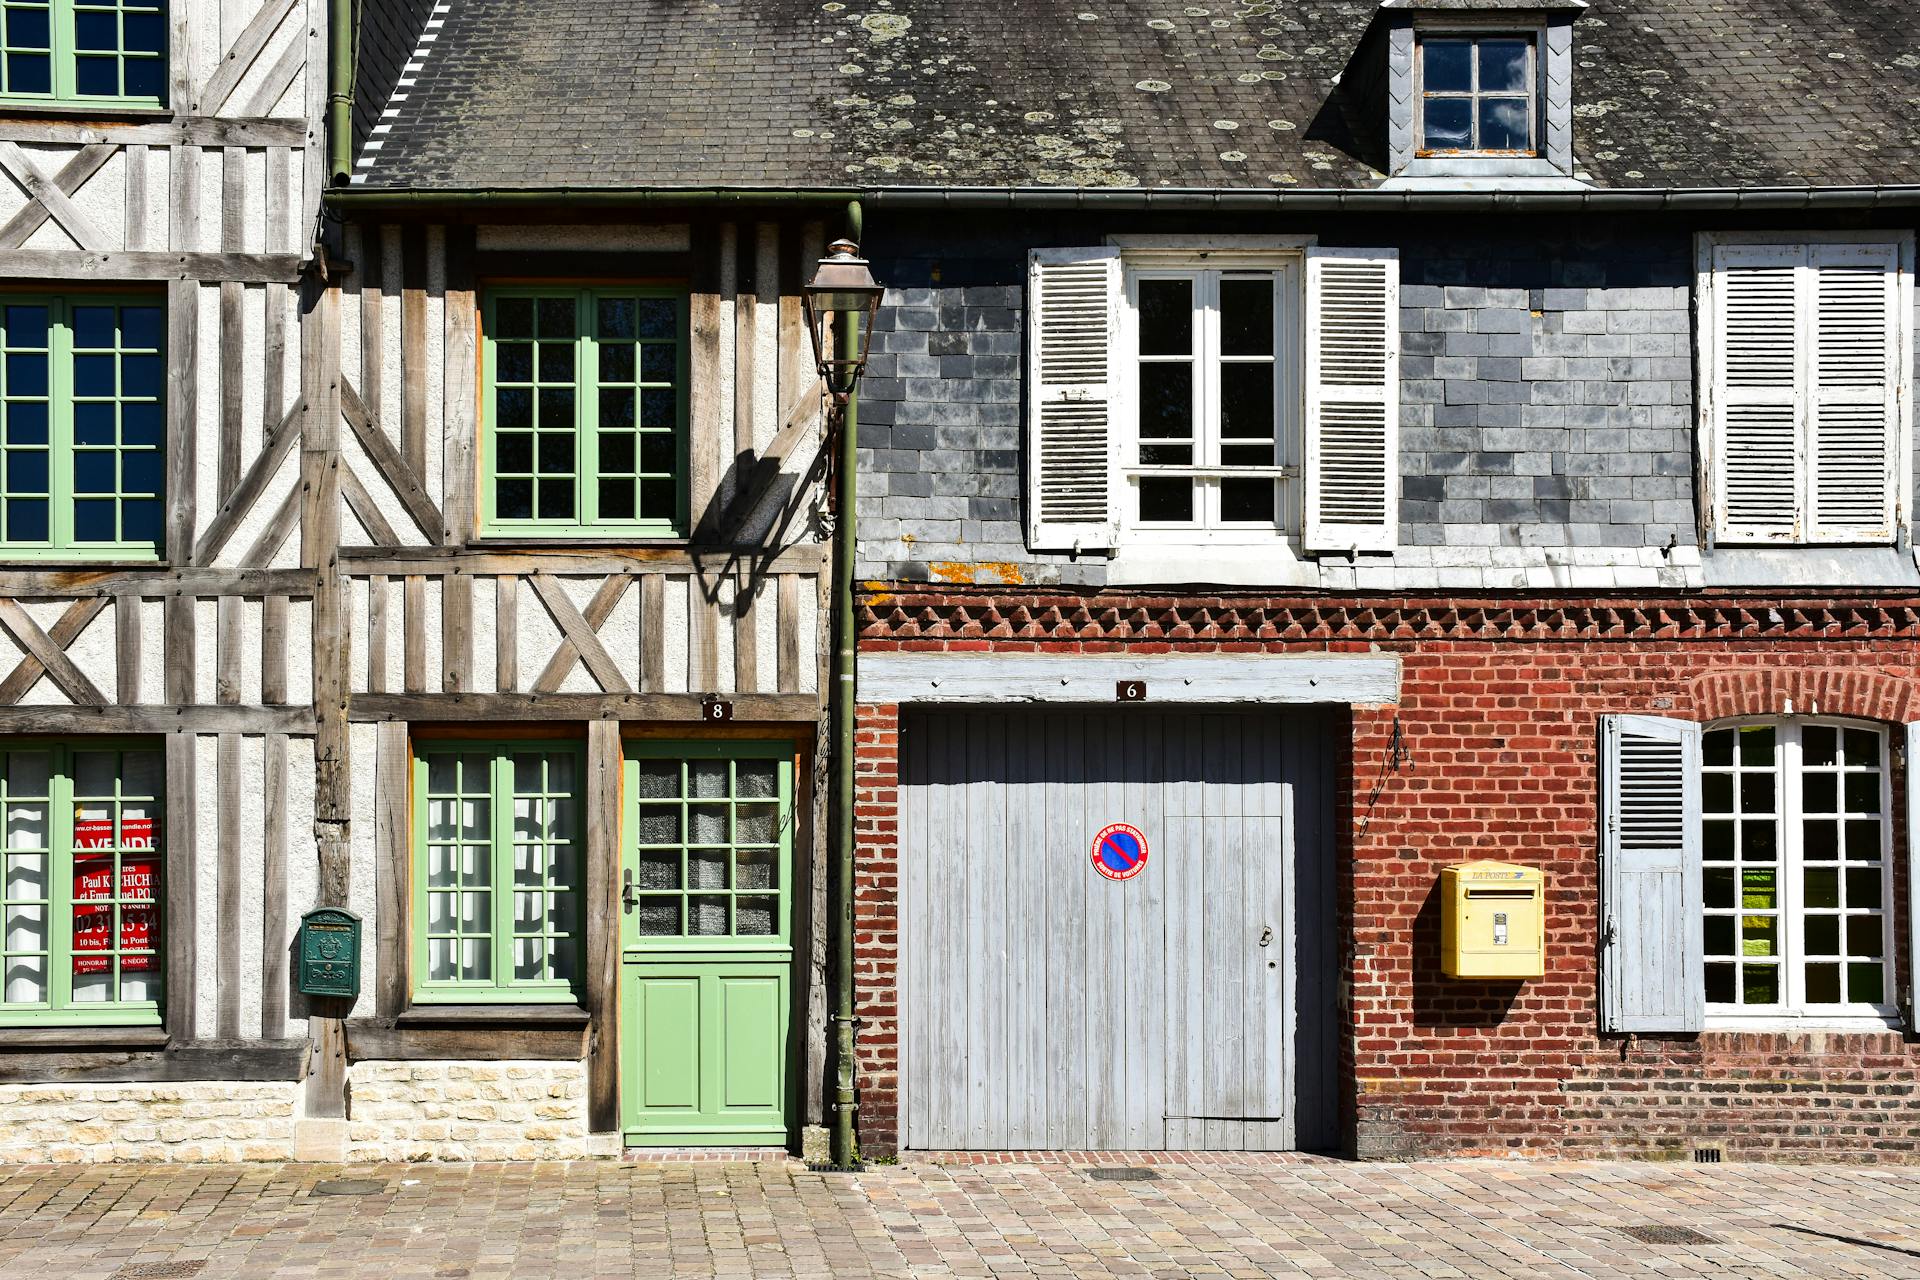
(507, 539)
(1273, 562)
(42, 561)
(18, 110)
(1782, 565)
(83, 1037)
(468, 1015)
(1781, 1024)
(1503, 172)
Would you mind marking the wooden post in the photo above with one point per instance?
(604, 914)
(182, 854)
(391, 785)
(461, 374)
(326, 1086)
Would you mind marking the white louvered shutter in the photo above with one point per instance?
(1073, 312)
(1352, 473)
(1757, 392)
(1652, 966)
(1853, 403)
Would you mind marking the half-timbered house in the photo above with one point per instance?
(1305, 450)
(164, 566)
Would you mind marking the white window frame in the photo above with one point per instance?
(1793, 1012)
(1476, 28)
(1710, 482)
(1205, 262)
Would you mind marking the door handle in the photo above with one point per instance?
(626, 892)
(1266, 935)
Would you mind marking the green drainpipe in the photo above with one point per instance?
(339, 92)
(846, 1148)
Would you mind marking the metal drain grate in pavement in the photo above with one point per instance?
(1122, 1173)
(159, 1270)
(1649, 1233)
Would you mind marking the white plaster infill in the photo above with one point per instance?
(1277, 678)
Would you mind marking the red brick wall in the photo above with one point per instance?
(876, 924)
(1497, 738)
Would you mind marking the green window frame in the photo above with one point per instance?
(713, 825)
(82, 826)
(585, 410)
(499, 871)
(84, 52)
(83, 426)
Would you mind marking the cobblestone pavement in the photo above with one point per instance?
(1279, 1217)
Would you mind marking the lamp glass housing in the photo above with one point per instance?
(842, 286)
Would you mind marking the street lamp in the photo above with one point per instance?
(842, 290)
(843, 294)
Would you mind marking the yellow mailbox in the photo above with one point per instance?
(1491, 916)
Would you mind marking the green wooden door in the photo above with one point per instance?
(706, 943)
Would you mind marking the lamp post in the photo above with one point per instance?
(843, 294)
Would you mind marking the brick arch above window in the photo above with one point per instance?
(1856, 692)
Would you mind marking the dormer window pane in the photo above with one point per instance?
(1503, 124)
(1477, 94)
(1503, 65)
(1449, 66)
(1449, 124)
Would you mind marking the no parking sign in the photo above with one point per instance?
(1119, 852)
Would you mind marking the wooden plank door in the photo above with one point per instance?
(1046, 1006)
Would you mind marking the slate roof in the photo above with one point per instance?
(540, 94)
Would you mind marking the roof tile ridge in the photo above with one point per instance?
(409, 74)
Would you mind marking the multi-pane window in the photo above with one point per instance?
(712, 824)
(1209, 383)
(81, 883)
(1795, 868)
(92, 51)
(586, 412)
(1477, 93)
(497, 871)
(82, 426)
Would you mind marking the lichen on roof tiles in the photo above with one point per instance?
(805, 93)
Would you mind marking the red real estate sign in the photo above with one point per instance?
(93, 882)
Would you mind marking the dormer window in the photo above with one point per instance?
(1478, 94)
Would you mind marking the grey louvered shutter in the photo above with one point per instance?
(1352, 472)
(1853, 401)
(1913, 876)
(1759, 325)
(1652, 972)
(1073, 312)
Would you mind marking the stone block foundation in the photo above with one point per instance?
(211, 1120)
(471, 1111)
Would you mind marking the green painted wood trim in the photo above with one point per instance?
(702, 1137)
(587, 521)
(503, 988)
(60, 1009)
(64, 60)
(704, 1062)
(60, 544)
(780, 751)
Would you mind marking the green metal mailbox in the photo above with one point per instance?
(327, 958)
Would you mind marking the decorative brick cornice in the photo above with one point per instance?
(913, 617)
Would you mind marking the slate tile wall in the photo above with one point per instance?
(1546, 393)
(1546, 397)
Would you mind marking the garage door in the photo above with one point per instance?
(1044, 1005)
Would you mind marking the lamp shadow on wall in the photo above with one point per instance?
(1444, 1003)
